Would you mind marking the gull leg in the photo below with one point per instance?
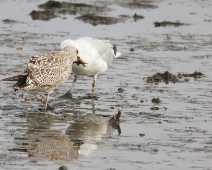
(43, 97)
(46, 100)
(68, 94)
(94, 84)
(74, 81)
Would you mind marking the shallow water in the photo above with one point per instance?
(174, 134)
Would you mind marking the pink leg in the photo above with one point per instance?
(94, 84)
(74, 81)
(43, 97)
(47, 103)
(46, 100)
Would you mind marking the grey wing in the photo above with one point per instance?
(105, 50)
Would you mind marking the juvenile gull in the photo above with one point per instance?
(97, 54)
(46, 72)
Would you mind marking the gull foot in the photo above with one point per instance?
(29, 99)
(68, 95)
(49, 108)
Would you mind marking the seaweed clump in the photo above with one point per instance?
(162, 77)
(169, 77)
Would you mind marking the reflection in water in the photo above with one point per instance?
(82, 137)
(53, 147)
(93, 106)
(49, 143)
(88, 133)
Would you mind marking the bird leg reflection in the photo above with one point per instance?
(93, 106)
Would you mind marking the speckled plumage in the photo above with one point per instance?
(46, 72)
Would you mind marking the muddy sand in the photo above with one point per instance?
(161, 84)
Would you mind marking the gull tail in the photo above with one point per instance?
(117, 54)
(14, 78)
(21, 80)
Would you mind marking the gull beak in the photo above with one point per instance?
(80, 61)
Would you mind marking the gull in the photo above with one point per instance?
(46, 72)
(97, 54)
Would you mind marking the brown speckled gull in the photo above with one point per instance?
(46, 72)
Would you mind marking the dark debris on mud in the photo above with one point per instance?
(137, 17)
(156, 100)
(63, 167)
(64, 5)
(135, 4)
(52, 9)
(99, 20)
(79, 98)
(168, 23)
(10, 21)
(194, 75)
(88, 13)
(120, 90)
(114, 121)
(162, 77)
(169, 77)
(43, 15)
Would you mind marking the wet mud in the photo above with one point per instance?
(150, 110)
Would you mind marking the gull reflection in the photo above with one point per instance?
(89, 132)
(44, 138)
(46, 142)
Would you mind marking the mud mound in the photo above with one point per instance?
(88, 13)
(162, 77)
(169, 77)
(99, 20)
(139, 4)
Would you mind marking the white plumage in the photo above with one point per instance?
(97, 54)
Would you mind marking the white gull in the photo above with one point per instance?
(98, 56)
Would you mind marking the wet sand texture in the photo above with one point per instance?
(161, 84)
